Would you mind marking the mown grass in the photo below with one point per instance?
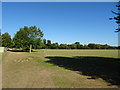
(83, 52)
(77, 68)
(95, 63)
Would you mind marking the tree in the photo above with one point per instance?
(85, 47)
(63, 46)
(28, 36)
(6, 40)
(38, 44)
(105, 46)
(73, 46)
(49, 43)
(78, 46)
(0, 39)
(98, 46)
(77, 43)
(54, 46)
(92, 46)
(44, 41)
(44, 44)
(117, 17)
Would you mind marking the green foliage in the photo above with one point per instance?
(92, 46)
(98, 46)
(78, 46)
(6, 40)
(54, 46)
(0, 38)
(63, 46)
(77, 43)
(49, 44)
(73, 46)
(44, 41)
(38, 44)
(28, 36)
(85, 47)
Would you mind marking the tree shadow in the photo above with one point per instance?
(20, 50)
(97, 67)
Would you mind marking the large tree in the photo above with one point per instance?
(28, 36)
(6, 40)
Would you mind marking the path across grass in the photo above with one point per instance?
(61, 69)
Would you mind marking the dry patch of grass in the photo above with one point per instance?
(36, 70)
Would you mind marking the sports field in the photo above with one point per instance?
(48, 68)
(82, 52)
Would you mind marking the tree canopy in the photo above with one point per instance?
(28, 36)
(6, 40)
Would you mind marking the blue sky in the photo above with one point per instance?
(0, 15)
(60, 0)
(63, 22)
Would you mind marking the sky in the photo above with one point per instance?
(63, 22)
(0, 15)
(60, 0)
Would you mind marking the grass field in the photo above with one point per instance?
(70, 53)
(0, 70)
(61, 69)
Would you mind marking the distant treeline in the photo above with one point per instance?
(34, 36)
(76, 45)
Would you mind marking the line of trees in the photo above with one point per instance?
(27, 36)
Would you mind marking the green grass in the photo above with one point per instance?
(0, 58)
(95, 63)
(72, 68)
(81, 52)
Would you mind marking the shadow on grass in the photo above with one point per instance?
(97, 67)
(20, 50)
